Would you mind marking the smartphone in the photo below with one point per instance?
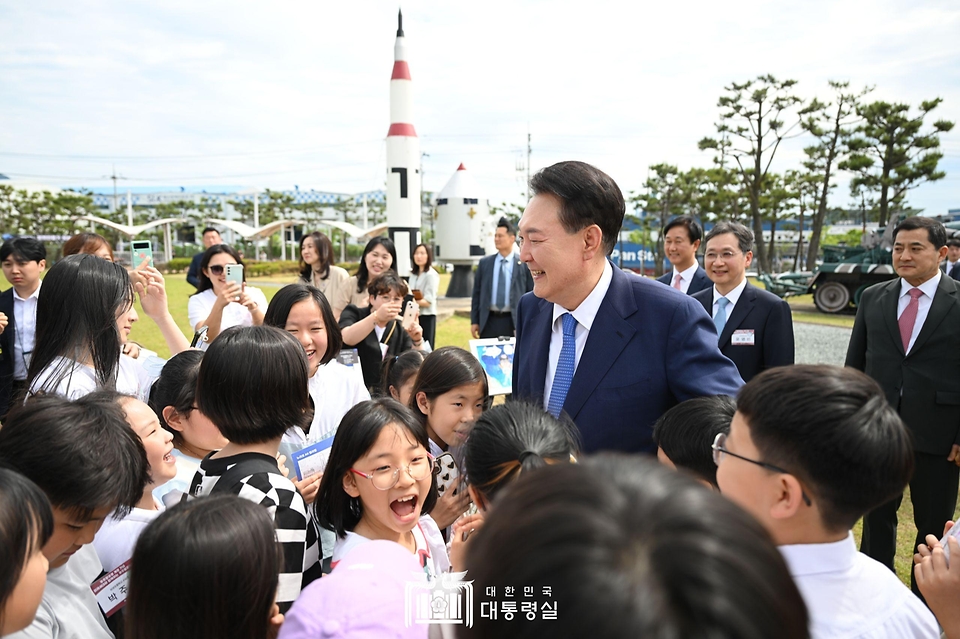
(953, 532)
(235, 274)
(141, 251)
(449, 474)
(200, 337)
(409, 315)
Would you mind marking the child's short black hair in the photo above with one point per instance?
(252, 384)
(386, 282)
(23, 249)
(832, 428)
(279, 310)
(177, 387)
(397, 370)
(686, 433)
(358, 433)
(81, 453)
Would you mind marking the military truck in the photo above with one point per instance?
(847, 271)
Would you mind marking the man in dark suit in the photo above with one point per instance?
(23, 259)
(493, 311)
(211, 237)
(951, 266)
(907, 336)
(681, 239)
(611, 349)
(755, 327)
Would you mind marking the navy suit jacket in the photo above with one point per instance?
(771, 322)
(520, 282)
(699, 282)
(7, 340)
(193, 273)
(954, 272)
(649, 348)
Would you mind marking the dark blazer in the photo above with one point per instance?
(193, 273)
(521, 282)
(925, 384)
(954, 272)
(369, 348)
(770, 320)
(649, 348)
(7, 340)
(699, 282)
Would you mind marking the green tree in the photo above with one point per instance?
(751, 127)
(807, 186)
(665, 194)
(831, 124)
(777, 199)
(891, 154)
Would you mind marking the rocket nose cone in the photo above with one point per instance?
(461, 167)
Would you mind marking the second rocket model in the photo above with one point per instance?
(403, 160)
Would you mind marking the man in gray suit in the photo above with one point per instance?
(500, 282)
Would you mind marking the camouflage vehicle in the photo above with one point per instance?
(847, 271)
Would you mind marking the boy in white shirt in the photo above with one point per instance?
(810, 450)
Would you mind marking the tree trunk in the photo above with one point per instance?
(773, 247)
(885, 186)
(817, 227)
(797, 265)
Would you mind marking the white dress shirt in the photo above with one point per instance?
(851, 596)
(584, 314)
(25, 327)
(929, 289)
(733, 297)
(686, 277)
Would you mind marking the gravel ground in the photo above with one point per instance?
(818, 344)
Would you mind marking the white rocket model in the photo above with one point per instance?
(403, 160)
(464, 230)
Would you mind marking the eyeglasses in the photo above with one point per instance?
(216, 269)
(726, 256)
(386, 477)
(719, 451)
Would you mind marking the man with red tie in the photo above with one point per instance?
(907, 336)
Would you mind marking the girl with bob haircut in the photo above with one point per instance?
(317, 266)
(78, 349)
(26, 524)
(90, 244)
(219, 304)
(173, 398)
(424, 281)
(304, 312)
(379, 256)
(379, 484)
(398, 373)
(450, 393)
(205, 569)
(252, 385)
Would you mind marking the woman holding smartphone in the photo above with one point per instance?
(424, 281)
(220, 304)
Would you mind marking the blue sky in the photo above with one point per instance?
(277, 94)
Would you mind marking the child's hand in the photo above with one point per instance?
(463, 530)
(451, 506)
(940, 585)
(308, 487)
(924, 550)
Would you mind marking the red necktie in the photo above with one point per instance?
(909, 317)
(676, 282)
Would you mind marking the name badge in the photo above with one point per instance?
(742, 337)
(111, 589)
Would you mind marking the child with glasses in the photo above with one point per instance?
(811, 449)
(380, 484)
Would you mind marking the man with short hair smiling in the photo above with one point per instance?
(23, 259)
(755, 327)
(810, 450)
(681, 239)
(611, 349)
(907, 336)
(500, 281)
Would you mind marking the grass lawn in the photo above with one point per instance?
(455, 331)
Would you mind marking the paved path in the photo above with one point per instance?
(817, 344)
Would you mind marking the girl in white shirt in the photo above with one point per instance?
(84, 316)
(219, 304)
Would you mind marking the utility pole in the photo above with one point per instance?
(529, 151)
(113, 176)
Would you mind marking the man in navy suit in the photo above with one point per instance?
(681, 239)
(611, 349)
(755, 327)
(211, 236)
(951, 266)
(493, 311)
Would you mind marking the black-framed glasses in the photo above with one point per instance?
(386, 477)
(719, 451)
(216, 269)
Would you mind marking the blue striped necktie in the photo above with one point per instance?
(566, 365)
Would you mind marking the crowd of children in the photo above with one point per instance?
(150, 504)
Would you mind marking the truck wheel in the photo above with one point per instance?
(831, 297)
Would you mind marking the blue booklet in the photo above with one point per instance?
(313, 459)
